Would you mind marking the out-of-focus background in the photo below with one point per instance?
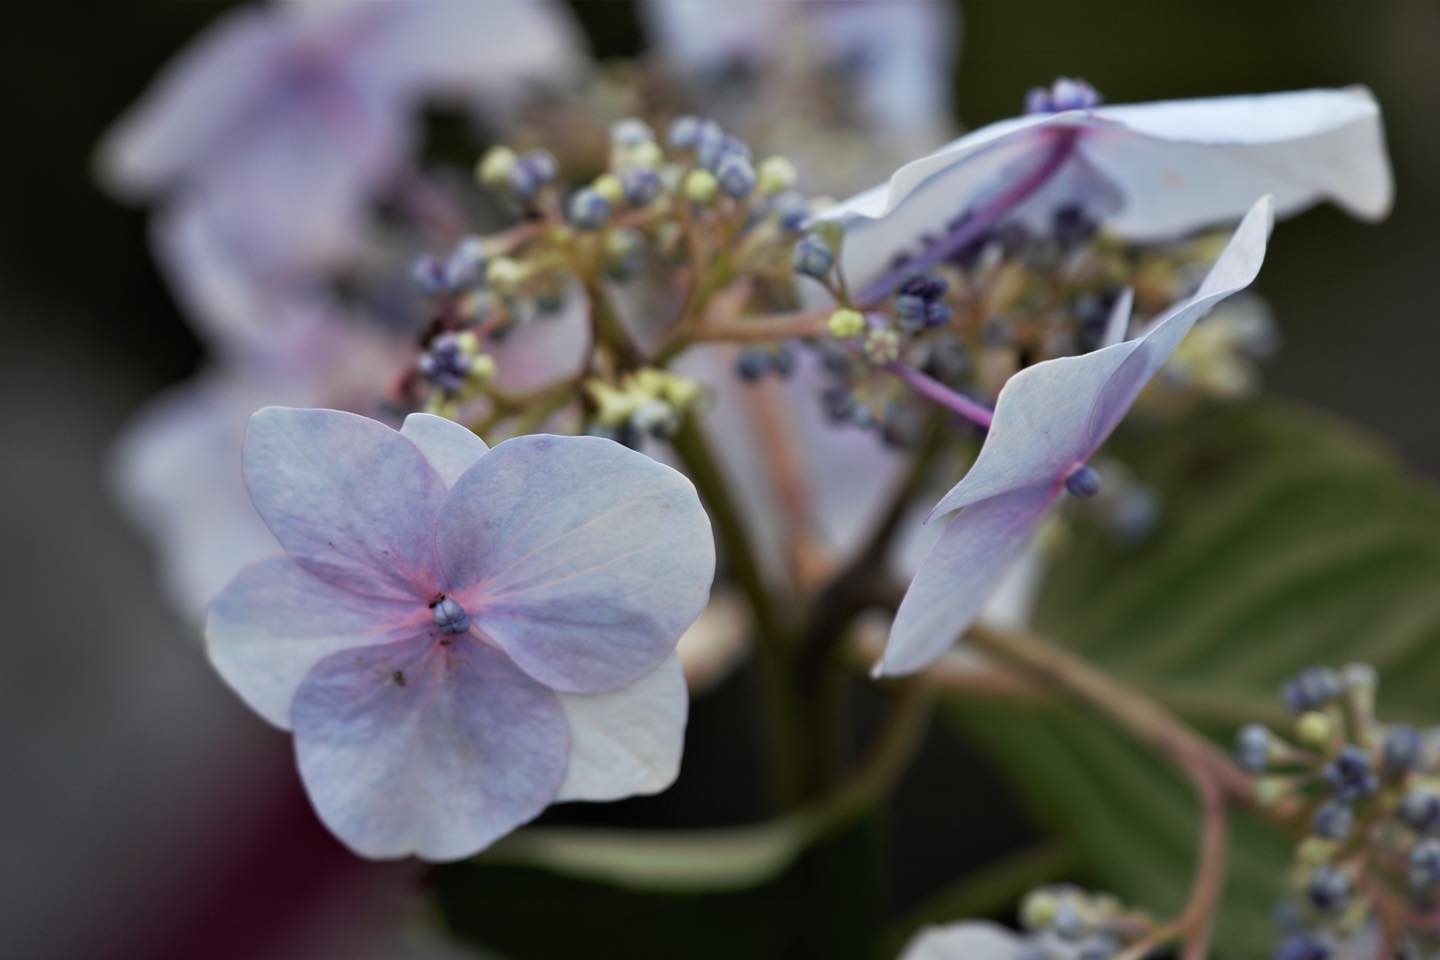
(147, 814)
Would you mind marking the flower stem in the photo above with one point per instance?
(693, 449)
(980, 221)
(936, 392)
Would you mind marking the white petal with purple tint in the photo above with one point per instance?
(350, 499)
(416, 748)
(275, 621)
(627, 742)
(450, 448)
(1050, 419)
(583, 560)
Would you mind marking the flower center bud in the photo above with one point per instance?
(1083, 482)
(450, 617)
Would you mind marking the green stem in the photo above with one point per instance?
(694, 451)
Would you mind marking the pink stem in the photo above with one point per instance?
(934, 390)
(982, 220)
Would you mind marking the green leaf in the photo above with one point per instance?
(1288, 538)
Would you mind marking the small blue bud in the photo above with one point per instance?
(937, 314)
(1252, 747)
(428, 275)
(782, 361)
(910, 311)
(752, 365)
(812, 256)
(630, 132)
(1328, 889)
(1073, 226)
(1312, 689)
(640, 186)
(1332, 821)
(1420, 809)
(792, 210)
(1350, 776)
(540, 165)
(1402, 749)
(736, 176)
(587, 209)
(1068, 923)
(1425, 866)
(1083, 482)
(684, 133)
(465, 267)
(1302, 946)
(709, 145)
(450, 617)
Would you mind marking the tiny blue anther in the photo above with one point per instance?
(1328, 889)
(450, 617)
(812, 256)
(1083, 482)
(736, 176)
(1064, 94)
(1252, 747)
(684, 133)
(1402, 749)
(1332, 821)
(587, 209)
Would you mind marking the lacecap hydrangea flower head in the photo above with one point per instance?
(1050, 419)
(459, 637)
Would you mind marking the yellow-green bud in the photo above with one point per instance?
(482, 368)
(1313, 729)
(701, 185)
(1314, 851)
(1271, 790)
(845, 323)
(504, 276)
(608, 186)
(882, 346)
(468, 342)
(644, 156)
(495, 167)
(1038, 909)
(777, 174)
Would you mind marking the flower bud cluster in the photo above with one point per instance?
(1369, 793)
(1067, 923)
(646, 403)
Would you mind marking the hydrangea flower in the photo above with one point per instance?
(284, 120)
(1148, 171)
(1050, 419)
(459, 637)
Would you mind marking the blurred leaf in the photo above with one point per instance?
(1288, 538)
(668, 896)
